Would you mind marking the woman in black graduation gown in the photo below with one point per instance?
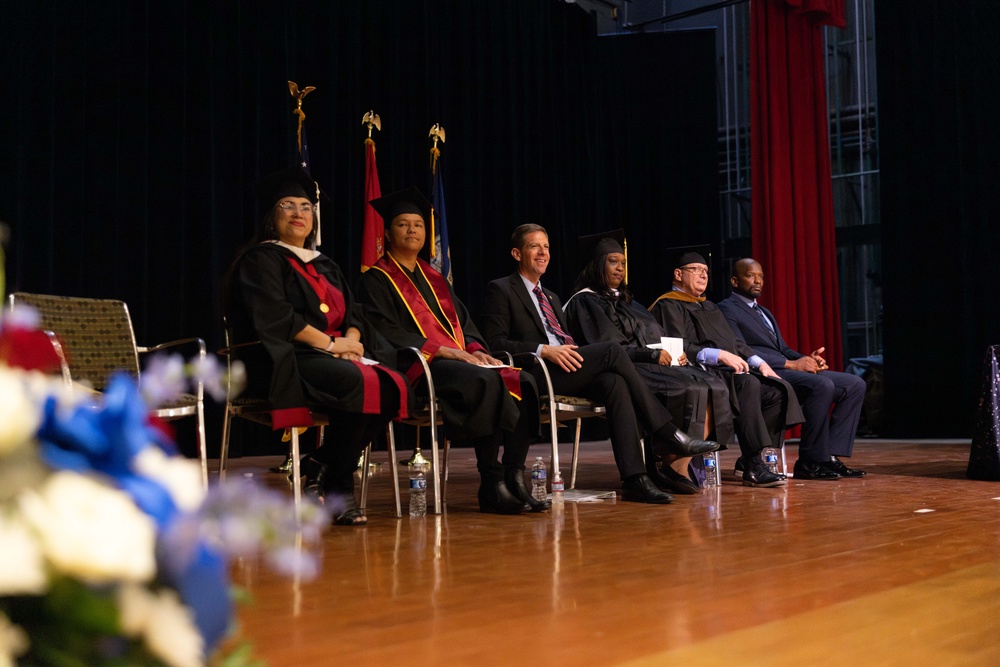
(295, 301)
(413, 305)
(602, 309)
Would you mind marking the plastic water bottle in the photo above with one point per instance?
(711, 461)
(418, 490)
(558, 487)
(770, 457)
(538, 479)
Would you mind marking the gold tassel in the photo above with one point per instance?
(435, 154)
(287, 435)
(625, 249)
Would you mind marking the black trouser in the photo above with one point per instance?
(761, 419)
(609, 377)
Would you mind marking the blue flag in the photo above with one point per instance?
(304, 151)
(440, 251)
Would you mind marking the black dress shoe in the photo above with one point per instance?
(738, 470)
(514, 479)
(672, 480)
(640, 489)
(813, 470)
(837, 466)
(494, 498)
(758, 474)
(681, 444)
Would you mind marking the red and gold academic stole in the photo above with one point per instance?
(430, 326)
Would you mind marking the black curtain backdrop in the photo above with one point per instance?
(939, 90)
(131, 130)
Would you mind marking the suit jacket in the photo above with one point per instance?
(749, 327)
(510, 321)
(704, 325)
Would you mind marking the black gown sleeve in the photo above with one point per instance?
(676, 321)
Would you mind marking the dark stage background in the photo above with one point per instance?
(939, 91)
(130, 131)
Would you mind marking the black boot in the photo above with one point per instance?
(514, 479)
(494, 498)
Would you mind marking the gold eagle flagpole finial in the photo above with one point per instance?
(298, 95)
(437, 134)
(371, 119)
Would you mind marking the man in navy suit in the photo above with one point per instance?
(818, 388)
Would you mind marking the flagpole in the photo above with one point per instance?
(298, 96)
(293, 88)
(373, 230)
(436, 134)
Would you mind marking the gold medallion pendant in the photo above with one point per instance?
(324, 308)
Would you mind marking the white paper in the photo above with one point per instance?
(674, 346)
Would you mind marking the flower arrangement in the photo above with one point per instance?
(112, 552)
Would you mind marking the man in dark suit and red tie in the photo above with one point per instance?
(520, 316)
(817, 387)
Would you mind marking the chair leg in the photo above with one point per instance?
(435, 470)
(365, 460)
(224, 446)
(296, 474)
(554, 434)
(576, 454)
(394, 467)
(444, 483)
(202, 444)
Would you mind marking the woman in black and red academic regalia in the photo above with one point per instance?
(483, 403)
(295, 301)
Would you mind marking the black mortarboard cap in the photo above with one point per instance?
(409, 200)
(598, 245)
(293, 182)
(692, 254)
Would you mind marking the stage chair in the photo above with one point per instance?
(95, 338)
(258, 410)
(425, 414)
(559, 407)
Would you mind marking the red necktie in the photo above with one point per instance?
(550, 317)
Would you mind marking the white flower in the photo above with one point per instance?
(13, 642)
(181, 477)
(163, 379)
(164, 623)
(19, 415)
(23, 317)
(22, 568)
(90, 530)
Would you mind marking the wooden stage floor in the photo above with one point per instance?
(899, 568)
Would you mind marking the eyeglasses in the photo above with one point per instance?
(288, 207)
(696, 270)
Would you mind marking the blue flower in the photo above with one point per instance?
(105, 439)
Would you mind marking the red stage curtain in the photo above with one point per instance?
(792, 204)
